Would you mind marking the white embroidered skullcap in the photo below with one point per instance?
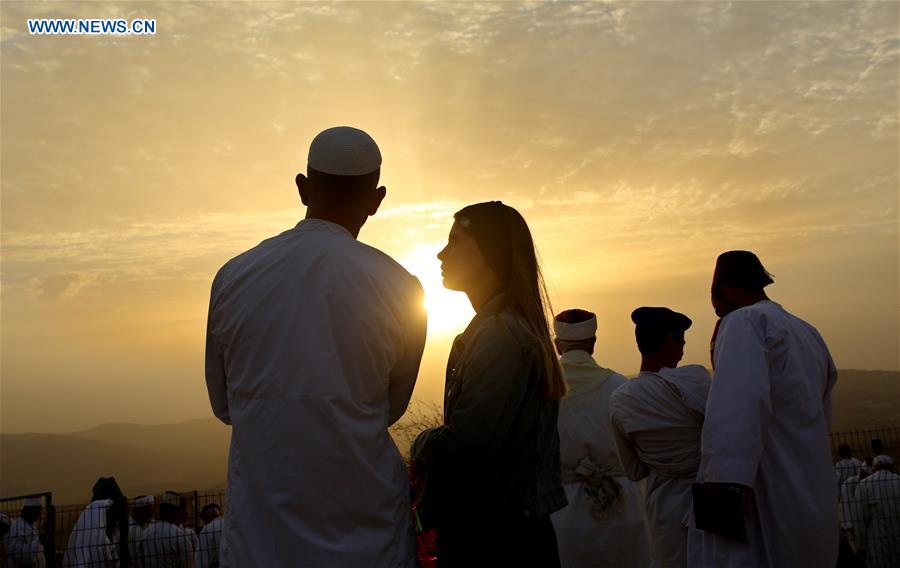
(142, 501)
(882, 460)
(34, 501)
(344, 151)
(575, 331)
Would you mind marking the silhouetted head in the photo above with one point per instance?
(31, 514)
(490, 251)
(845, 452)
(172, 508)
(660, 336)
(575, 330)
(738, 281)
(341, 181)
(106, 488)
(877, 446)
(142, 509)
(209, 513)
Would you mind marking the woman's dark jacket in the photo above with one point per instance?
(497, 453)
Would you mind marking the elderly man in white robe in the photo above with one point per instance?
(878, 497)
(603, 524)
(656, 422)
(768, 495)
(23, 542)
(314, 341)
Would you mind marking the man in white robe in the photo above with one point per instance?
(767, 478)
(23, 543)
(209, 537)
(314, 341)
(141, 518)
(846, 466)
(166, 543)
(89, 544)
(604, 523)
(657, 419)
(878, 496)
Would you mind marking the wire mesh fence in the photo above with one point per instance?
(184, 530)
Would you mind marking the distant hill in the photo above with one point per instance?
(144, 459)
(193, 455)
(866, 400)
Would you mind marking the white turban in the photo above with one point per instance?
(142, 501)
(882, 460)
(575, 331)
(344, 151)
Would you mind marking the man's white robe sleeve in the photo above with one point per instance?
(740, 405)
(406, 370)
(632, 465)
(215, 367)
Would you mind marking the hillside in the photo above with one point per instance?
(193, 455)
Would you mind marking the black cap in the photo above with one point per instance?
(742, 269)
(661, 319)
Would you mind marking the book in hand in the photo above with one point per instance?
(719, 509)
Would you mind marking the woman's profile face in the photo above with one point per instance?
(462, 264)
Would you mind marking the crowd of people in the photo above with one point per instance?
(313, 347)
(154, 540)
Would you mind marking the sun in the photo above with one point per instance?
(448, 312)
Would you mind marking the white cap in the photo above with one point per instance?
(882, 460)
(575, 331)
(172, 498)
(34, 501)
(142, 501)
(344, 151)
(4, 519)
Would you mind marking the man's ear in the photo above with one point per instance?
(303, 188)
(377, 198)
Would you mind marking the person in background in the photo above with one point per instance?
(493, 466)
(141, 517)
(93, 540)
(853, 530)
(166, 543)
(603, 525)
(4, 528)
(656, 422)
(878, 496)
(766, 493)
(209, 537)
(847, 465)
(313, 346)
(23, 543)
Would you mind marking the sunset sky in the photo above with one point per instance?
(639, 140)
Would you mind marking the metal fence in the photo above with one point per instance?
(175, 530)
(112, 534)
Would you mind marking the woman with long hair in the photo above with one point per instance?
(493, 469)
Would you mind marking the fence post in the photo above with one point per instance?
(196, 512)
(122, 514)
(50, 551)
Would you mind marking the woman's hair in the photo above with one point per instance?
(503, 237)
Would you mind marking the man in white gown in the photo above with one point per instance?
(657, 418)
(604, 523)
(89, 543)
(878, 497)
(314, 341)
(769, 491)
(166, 543)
